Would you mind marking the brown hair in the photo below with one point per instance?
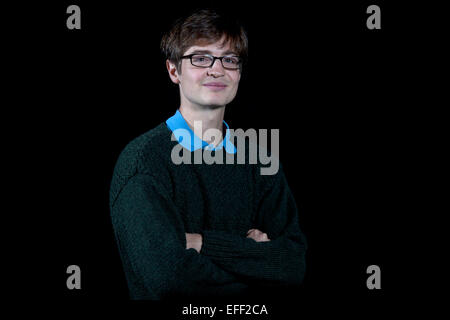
(204, 26)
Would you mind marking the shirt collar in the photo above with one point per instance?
(178, 125)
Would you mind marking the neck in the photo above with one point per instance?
(210, 119)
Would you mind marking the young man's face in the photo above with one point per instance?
(206, 87)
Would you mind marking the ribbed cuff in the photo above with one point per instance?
(259, 260)
(221, 244)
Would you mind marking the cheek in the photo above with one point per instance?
(236, 78)
(194, 76)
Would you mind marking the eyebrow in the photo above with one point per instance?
(209, 52)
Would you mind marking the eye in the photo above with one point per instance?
(201, 59)
(231, 60)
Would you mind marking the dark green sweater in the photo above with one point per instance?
(154, 203)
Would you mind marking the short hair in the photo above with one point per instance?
(204, 26)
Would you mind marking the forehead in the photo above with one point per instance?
(218, 48)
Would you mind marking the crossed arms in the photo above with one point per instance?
(213, 263)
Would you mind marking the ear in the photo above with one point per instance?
(173, 74)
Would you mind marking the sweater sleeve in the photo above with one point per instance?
(280, 261)
(152, 246)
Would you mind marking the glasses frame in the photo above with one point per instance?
(214, 58)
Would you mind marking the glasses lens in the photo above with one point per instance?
(201, 60)
(231, 62)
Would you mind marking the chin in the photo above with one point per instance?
(219, 100)
(216, 103)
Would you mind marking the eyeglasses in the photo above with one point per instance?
(207, 61)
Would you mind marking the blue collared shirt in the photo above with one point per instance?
(180, 128)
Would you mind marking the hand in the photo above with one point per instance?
(257, 235)
(194, 240)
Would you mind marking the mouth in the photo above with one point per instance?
(215, 86)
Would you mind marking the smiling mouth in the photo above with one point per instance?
(215, 86)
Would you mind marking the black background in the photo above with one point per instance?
(344, 98)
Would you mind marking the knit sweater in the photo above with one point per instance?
(154, 202)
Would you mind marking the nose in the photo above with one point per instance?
(216, 70)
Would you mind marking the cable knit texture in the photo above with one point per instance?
(154, 202)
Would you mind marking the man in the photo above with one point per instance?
(202, 229)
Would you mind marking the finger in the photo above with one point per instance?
(262, 237)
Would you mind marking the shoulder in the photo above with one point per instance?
(148, 147)
(146, 154)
